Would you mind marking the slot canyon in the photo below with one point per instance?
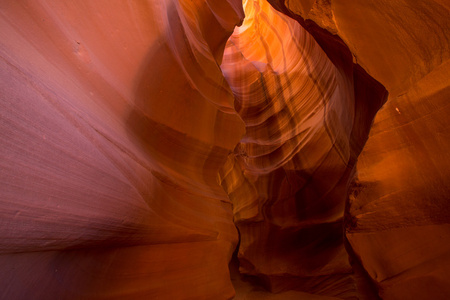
(225, 149)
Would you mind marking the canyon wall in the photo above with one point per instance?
(115, 120)
(398, 213)
(135, 136)
(289, 175)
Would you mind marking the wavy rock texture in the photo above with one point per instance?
(398, 211)
(399, 208)
(132, 134)
(396, 42)
(288, 176)
(115, 119)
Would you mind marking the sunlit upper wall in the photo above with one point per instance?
(287, 176)
(287, 90)
(267, 36)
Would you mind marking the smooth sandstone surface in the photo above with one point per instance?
(115, 119)
(398, 210)
(396, 42)
(287, 177)
(400, 205)
(141, 142)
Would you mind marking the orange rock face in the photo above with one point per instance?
(141, 142)
(288, 176)
(398, 210)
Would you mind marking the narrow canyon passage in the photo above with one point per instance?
(141, 142)
(288, 177)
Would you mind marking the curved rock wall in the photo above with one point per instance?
(398, 206)
(288, 176)
(115, 119)
(132, 134)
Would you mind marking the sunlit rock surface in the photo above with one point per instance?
(398, 212)
(396, 42)
(288, 176)
(134, 137)
(399, 206)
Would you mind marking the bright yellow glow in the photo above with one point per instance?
(267, 37)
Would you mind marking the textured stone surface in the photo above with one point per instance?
(288, 176)
(129, 144)
(396, 42)
(398, 212)
(114, 122)
(400, 206)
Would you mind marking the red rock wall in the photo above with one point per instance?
(306, 122)
(115, 119)
(129, 143)
(398, 206)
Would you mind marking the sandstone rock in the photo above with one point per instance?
(115, 119)
(135, 136)
(398, 210)
(287, 177)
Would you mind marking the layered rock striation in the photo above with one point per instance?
(398, 216)
(136, 136)
(288, 176)
(115, 120)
